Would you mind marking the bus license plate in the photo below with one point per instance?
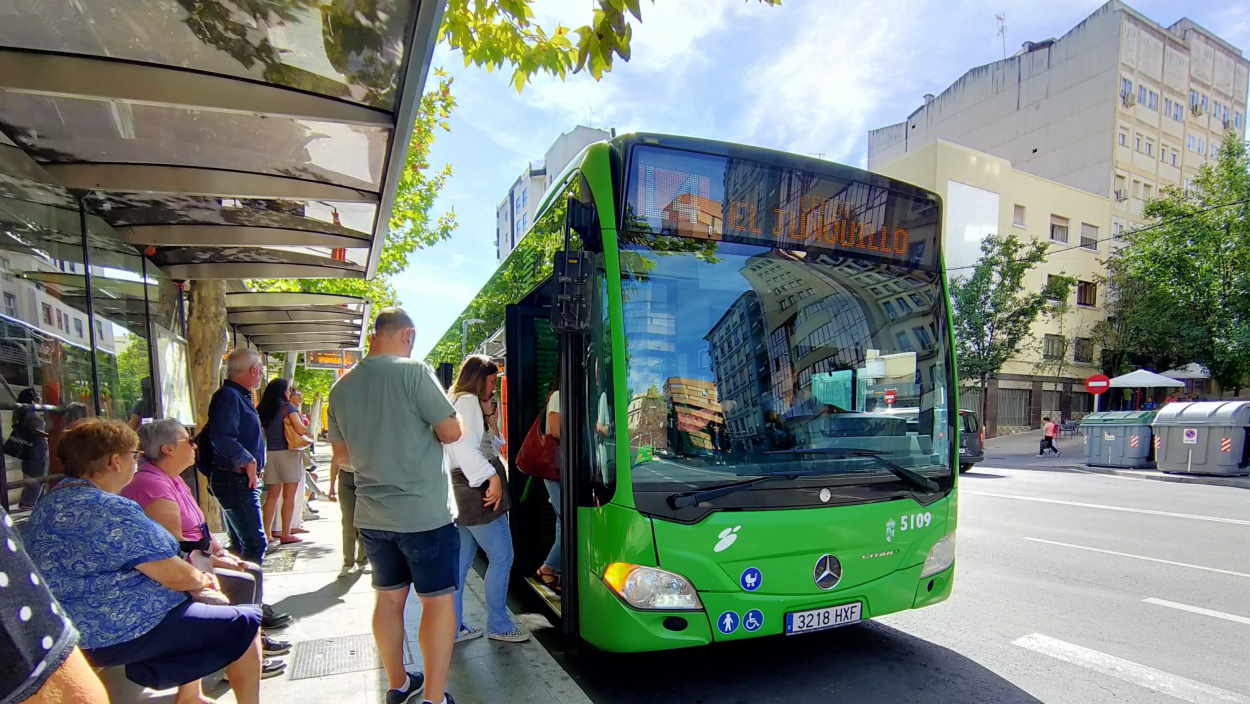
(823, 619)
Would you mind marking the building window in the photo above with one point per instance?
(1086, 293)
(1083, 350)
(1153, 103)
(1123, 137)
(1017, 216)
(1136, 188)
(60, 320)
(10, 305)
(1121, 188)
(1178, 112)
(904, 342)
(1141, 95)
(1167, 107)
(1138, 143)
(1238, 120)
(1052, 281)
(889, 310)
(1052, 347)
(1176, 158)
(1126, 86)
(1058, 228)
(78, 327)
(47, 314)
(1147, 191)
(902, 305)
(1117, 229)
(1193, 98)
(922, 336)
(1089, 236)
(1150, 148)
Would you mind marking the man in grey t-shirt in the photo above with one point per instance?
(389, 419)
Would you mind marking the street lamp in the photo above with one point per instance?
(464, 334)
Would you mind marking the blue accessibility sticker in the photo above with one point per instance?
(727, 622)
(753, 619)
(751, 579)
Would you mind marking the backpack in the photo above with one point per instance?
(204, 453)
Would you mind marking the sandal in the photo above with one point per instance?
(549, 577)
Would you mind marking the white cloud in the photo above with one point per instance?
(844, 62)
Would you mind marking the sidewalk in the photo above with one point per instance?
(1020, 452)
(333, 657)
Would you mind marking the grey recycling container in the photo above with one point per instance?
(1205, 437)
(1121, 439)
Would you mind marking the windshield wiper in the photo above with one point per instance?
(683, 499)
(911, 476)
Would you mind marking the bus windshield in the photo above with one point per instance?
(747, 358)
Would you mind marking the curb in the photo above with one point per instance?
(1237, 482)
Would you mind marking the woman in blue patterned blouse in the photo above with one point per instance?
(120, 579)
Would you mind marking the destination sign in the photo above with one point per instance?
(672, 192)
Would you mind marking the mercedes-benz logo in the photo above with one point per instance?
(827, 572)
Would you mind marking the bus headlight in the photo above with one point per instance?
(651, 588)
(941, 556)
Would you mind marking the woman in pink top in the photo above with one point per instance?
(158, 488)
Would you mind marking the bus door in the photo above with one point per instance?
(532, 361)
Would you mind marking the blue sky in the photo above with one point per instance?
(811, 76)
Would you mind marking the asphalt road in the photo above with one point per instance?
(1071, 587)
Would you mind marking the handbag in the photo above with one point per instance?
(294, 440)
(537, 457)
(17, 447)
(469, 498)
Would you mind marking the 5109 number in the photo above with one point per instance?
(915, 521)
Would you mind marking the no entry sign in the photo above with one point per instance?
(891, 395)
(1098, 384)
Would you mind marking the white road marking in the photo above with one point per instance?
(1129, 671)
(1105, 507)
(1141, 557)
(1198, 610)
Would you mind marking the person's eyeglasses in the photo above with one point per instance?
(136, 455)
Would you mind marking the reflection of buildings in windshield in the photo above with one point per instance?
(696, 421)
(741, 362)
(812, 320)
(648, 420)
(691, 215)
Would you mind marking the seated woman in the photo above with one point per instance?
(121, 581)
(168, 449)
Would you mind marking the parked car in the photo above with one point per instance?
(971, 440)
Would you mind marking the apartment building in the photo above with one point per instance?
(1120, 106)
(515, 213)
(985, 194)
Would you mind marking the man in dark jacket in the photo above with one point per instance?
(237, 448)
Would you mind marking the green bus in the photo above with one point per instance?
(754, 353)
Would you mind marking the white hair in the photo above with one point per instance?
(241, 360)
(155, 435)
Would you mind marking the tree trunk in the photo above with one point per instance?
(207, 338)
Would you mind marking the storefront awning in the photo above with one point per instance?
(290, 322)
(227, 139)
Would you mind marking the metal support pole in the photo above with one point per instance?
(91, 320)
(155, 403)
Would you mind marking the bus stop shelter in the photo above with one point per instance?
(154, 149)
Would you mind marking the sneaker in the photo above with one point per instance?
(365, 568)
(516, 635)
(416, 683)
(271, 667)
(446, 699)
(345, 571)
(468, 633)
(273, 646)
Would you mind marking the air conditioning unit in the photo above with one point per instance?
(1128, 99)
(1120, 196)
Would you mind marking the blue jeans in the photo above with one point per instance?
(553, 495)
(496, 539)
(242, 508)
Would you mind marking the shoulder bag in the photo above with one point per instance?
(537, 457)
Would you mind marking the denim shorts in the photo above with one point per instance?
(427, 560)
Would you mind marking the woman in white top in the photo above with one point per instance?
(482, 500)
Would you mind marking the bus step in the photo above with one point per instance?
(547, 594)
